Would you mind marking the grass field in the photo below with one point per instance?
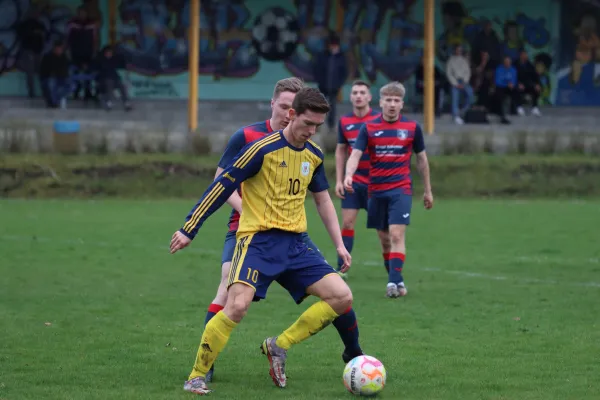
(504, 303)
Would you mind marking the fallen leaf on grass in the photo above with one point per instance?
(47, 323)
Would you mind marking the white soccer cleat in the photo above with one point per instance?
(392, 290)
(402, 291)
(197, 386)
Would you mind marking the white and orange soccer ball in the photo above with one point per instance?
(364, 376)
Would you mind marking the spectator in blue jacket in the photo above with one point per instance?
(506, 88)
(330, 71)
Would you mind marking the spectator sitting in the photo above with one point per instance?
(506, 85)
(528, 84)
(54, 74)
(440, 87)
(106, 67)
(458, 73)
(81, 38)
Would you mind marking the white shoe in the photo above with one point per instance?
(520, 111)
(402, 291)
(459, 121)
(392, 291)
(536, 111)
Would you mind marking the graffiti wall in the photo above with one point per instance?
(578, 69)
(382, 40)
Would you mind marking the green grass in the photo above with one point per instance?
(504, 303)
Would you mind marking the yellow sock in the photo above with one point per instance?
(315, 318)
(214, 339)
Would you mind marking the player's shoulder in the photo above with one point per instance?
(373, 122)
(409, 122)
(267, 143)
(315, 149)
(254, 131)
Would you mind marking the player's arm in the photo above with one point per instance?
(357, 151)
(423, 166)
(318, 186)
(244, 166)
(341, 151)
(236, 143)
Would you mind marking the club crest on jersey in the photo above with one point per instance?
(402, 133)
(305, 168)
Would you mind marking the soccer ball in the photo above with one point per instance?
(275, 34)
(364, 376)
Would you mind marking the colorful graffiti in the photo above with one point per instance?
(578, 75)
(382, 41)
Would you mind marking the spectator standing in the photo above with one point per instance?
(330, 71)
(486, 41)
(81, 38)
(458, 73)
(54, 74)
(32, 35)
(528, 84)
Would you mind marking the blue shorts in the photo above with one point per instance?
(230, 240)
(357, 200)
(276, 255)
(229, 247)
(389, 208)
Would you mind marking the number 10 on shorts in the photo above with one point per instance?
(252, 275)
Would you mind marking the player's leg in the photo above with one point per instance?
(345, 324)
(399, 218)
(350, 206)
(247, 280)
(221, 297)
(377, 218)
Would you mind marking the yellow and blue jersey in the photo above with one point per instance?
(274, 177)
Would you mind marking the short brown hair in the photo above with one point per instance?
(392, 89)
(360, 82)
(293, 85)
(310, 99)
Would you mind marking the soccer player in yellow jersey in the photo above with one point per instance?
(276, 172)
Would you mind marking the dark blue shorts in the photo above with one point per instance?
(389, 208)
(229, 247)
(230, 240)
(275, 255)
(357, 200)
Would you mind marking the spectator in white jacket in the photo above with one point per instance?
(458, 72)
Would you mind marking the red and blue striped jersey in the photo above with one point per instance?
(236, 143)
(348, 129)
(390, 146)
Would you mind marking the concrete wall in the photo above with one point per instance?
(383, 41)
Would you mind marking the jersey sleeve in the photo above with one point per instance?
(245, 165)
(341, 138)
(318, 183)
(236, 143)
(418, 141)
(362, 140)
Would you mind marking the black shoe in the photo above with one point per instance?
(347, 357)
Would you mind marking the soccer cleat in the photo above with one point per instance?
(209, 375)
(392, 291)
(347, 357)
(197, 386)
(276, 356)
(402, 291)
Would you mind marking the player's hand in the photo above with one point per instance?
(339, 190)
(346, 258)
(428, 200)
(348, 184)
(179, 241)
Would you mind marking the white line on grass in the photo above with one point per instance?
(81, 242)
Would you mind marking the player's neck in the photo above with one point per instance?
(274, 124)
(391, 119)
(361, 112)
(287, 134)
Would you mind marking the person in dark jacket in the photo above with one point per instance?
(330, 71)
(54, 74)
(81, 39)
(107, 67)
(441, 86)
(32, 35)
(486, 42)
(528, 84)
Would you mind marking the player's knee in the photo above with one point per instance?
(397, 236)
(348, 224)
(340, 299)
(238, 301)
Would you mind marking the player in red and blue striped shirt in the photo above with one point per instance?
(391, 140)
(348, 128)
